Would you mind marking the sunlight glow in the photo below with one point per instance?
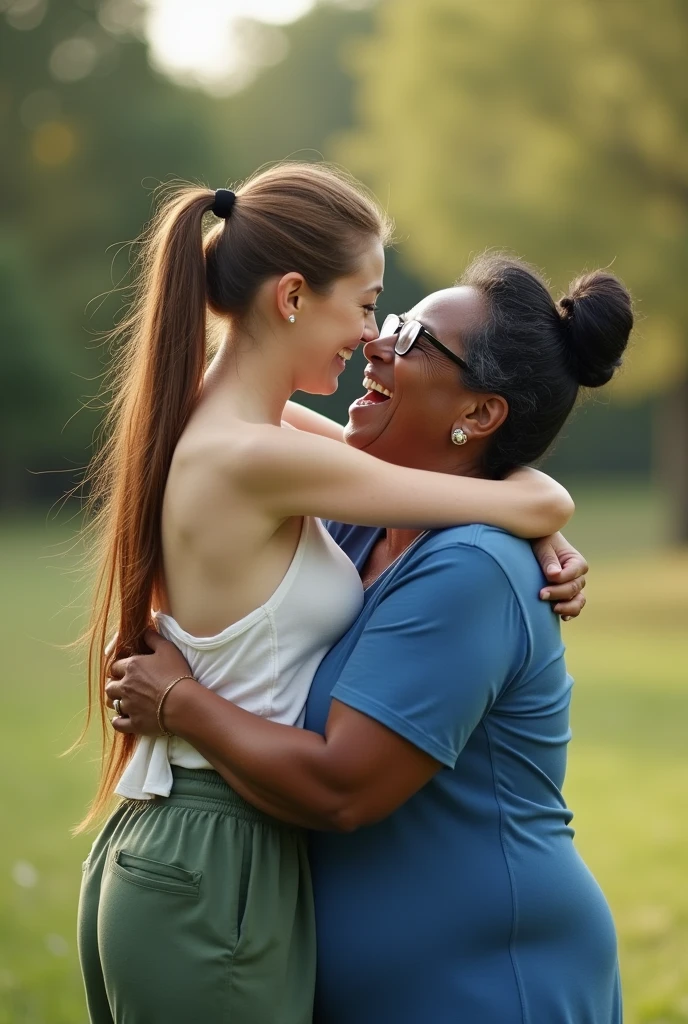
(219, 44)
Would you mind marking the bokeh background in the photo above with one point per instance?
(556, 129)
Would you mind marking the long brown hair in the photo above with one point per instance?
(293, 217)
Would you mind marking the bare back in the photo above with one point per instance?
(223, 555)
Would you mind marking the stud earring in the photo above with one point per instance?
(291, 319)
(458, 436)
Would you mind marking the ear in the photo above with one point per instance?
(289, 294)
(483, 417)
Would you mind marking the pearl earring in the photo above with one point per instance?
(458, 436)
(291, 319)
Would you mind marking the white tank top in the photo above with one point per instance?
(265, 663)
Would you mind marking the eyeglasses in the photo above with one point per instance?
(409, 332)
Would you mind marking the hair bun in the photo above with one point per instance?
(597, 318)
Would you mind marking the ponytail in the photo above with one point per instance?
(156, 382)
(304, 217)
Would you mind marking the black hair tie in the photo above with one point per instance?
(224, 202)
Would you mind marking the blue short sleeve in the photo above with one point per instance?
(438, 649)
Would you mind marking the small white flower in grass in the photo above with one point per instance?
(24, 874)
(56, 945)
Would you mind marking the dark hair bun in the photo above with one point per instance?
(597, 317)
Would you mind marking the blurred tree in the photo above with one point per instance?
(29, 366)
(293, 110)
(556, 130)
(91, 130)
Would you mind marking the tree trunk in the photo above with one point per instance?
(672, 456)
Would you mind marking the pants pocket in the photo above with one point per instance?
(153, 874)
(245, 872)
(162, 962)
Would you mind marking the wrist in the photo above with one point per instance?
(175, 710)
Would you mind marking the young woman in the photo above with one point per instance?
(440, 721)
(205, 509)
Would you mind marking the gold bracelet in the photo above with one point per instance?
(174, 682)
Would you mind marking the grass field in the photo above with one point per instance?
(627, 781)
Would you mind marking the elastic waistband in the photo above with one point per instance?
(203, 788)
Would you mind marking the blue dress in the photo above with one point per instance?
(469, 904)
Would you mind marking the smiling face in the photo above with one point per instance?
(412, 402)
(330, 327)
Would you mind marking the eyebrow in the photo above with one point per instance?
(377, 288)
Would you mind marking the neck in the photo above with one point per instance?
(464, 464)
(249, 379)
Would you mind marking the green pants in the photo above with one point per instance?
(197, 909)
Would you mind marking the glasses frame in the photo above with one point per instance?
(421, 332)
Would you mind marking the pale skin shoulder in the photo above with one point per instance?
(295, 472)
(223, 554)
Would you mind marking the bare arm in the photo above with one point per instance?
(290, 473)
(358, 773)
(313, 422)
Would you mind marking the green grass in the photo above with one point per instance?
(42, 795)
(627, 778)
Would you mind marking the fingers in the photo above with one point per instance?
(118, 669)
(153, 639)
(556, 550)
(110, 646)
(113, 691)
(123, 725)
(570, 609)
(547, 557)
(564, 592)
(573, 565)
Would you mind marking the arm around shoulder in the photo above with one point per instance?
(295, 473)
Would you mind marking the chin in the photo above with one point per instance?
(356, 438)
(321, 388)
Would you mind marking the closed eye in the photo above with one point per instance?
(428, 352)
(424, 346)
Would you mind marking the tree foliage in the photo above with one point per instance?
(89, 129)
(556, 130)
(85, 122)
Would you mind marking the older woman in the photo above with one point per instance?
(440, 720)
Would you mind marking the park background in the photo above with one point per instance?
(555, 129)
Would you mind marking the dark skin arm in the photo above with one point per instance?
(358, 773)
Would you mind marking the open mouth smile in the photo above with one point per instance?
(375, 393)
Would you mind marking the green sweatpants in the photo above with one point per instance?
(197, 909)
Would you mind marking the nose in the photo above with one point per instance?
(370, 331)
(381, 348)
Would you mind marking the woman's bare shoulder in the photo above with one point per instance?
(209, 467)
(224, 449)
